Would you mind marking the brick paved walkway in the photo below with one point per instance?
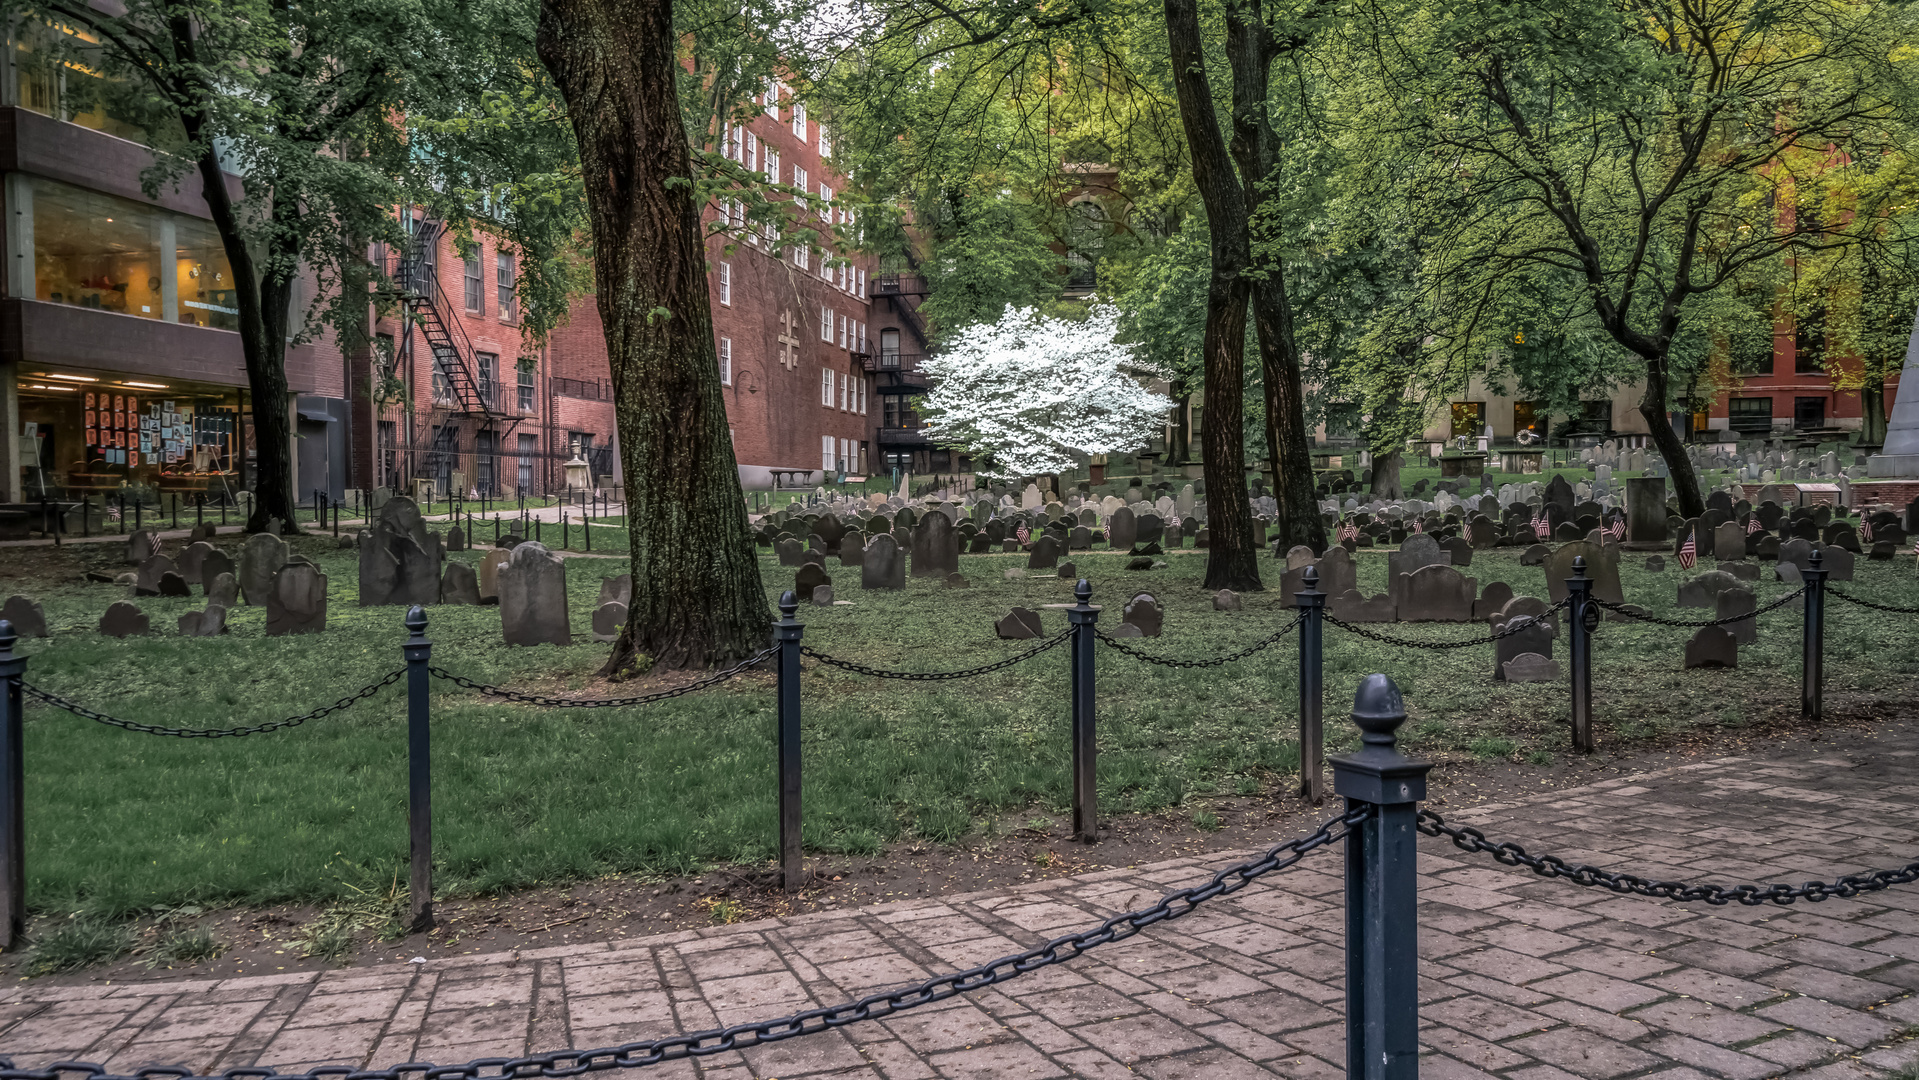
(1522, 978)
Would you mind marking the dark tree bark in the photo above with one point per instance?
(697, 597)
(1182, 440)
(1233, 559)
(1652, 406)
(1385, 482)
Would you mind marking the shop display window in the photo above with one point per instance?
(96, 251)
(203, 276)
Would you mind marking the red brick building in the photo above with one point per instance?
(1789, 387)
(791, 329)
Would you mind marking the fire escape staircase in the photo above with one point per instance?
(430, 311)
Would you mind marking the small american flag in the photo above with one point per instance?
(1688, 552)
(1023, 534)
(1617, 530)
(1419, 526)
(1752, 524)
(1347, 530)
(1541, 527)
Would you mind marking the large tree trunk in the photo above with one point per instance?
(1652, 406)
(697, 597)
(263, 344)
(1872, 402)
(1298, 521)
(1233, 559)
(1385, 482)
(1180, 444)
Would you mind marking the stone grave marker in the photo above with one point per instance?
(853, 551)
(1729, 541)
(957, 581)
(1045, 553)
(617, 589)
(1602, 566)
(1355, 607)
(456, 539)
(1535, 555)
(1148, 529)
(192, 559)
(1530, 634)
(122, 619)
(1018, 624)
(296, 603)
(223, 589)
(490, 565)
(141, 545)
(146, 577)
(1144, 612)
(1744, 571)
(1530, 668)
(790, 551)
(172, 584)
(533, 597)
(1458, 549)
(1416, 552)
(607, 620)
(1492, 600)
(1712, 647)
(459, 585)
(27, 617)
(209, 623)
(1436, 593)
(881, 565)
(809, 577)
(1796, 551)
(400, 558)
(1226, 600)
(823, 596)
(1738, 601)
(1069, 571)
(1703, 591)
(935, 547)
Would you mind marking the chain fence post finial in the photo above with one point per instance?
(1084, 617)
(1312, 724)
(1382, 927)
(419, 772)
(1812, 680)
(1579, 589)
(13, 803)
(787, 633)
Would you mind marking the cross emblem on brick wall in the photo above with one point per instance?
(789, 354)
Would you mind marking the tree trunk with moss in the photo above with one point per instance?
(697, 597)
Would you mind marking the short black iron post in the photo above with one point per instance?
(86, 515)
(176, 510)
(200, 510)
(13, 802)
(1582, 616)
(1312, 725)
(419, 773)
(1084, 618)
(786, 634)
(1812, 681)
(138, 507)
(536, 531)
(566, 540)
(1382, 930)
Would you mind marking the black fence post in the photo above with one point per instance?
(419, 773)
(1312, 724)
(1579, 646)
(787, 634)
(13, 802)
(1812, 682)
(86, 514)
(1084, 618)
(1382, 930)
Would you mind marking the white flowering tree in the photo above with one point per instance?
(1029, 391)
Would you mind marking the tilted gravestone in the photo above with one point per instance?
(223, 589)
(881, 564)
(261, 557)
(490, 565)
(1436, 593)
(459, 585)
(533, 597)
(607, 620)
(823, 596)
(122, 619)
(1018, 623)
(212, 565)
(193, 559)
(1712, 647)
(142, 545)
(209, 623)
(399, 558)
(1144, 612)
(146, 578)
(1045, 554)
(27, 617)
(296, 602)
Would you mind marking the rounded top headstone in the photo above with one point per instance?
(1378, 709)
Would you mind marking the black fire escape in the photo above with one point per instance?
(896, 363)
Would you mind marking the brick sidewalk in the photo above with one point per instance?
(1522, 978)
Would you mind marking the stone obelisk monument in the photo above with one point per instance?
(1900, 457)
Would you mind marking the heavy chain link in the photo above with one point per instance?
(1850, 599)
(363, 693)
(1470, 839)
(936, 676)
(1263, 643)
(720, 1040)
(1694, 623)
(603, 703)
(1513, 626)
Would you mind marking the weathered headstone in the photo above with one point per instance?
(1416, 552)
(533, 597)
(1458, 549)
(1045, 554)
(1655, 564)
(296, 603)
(1535, 555)
(935, 547)
(881, 566)
(1355, 607)
(456, 539)
(1703, 591)
(1436, 593)
(811, 576)
(27, 617)
(1646, 510)
(122, 619)
(607, 620)
(617, 589)
(490, 565)
(172, 584)
(1712, 647)
(1530, 668)
(223, 589)
(459, 585)
(853, 549)
(1528, 634)
(209, 623)
(1069, 571)
(1121, 529)
(1738, 601)
(1144, 612)
(1492, 600)
(1837, 562)
(193, 559)
(142, 545)
(1018, 623)
(1729, 541)
(400, 558)
(1602, 566)
(1226, 600)
(146, 577)
(262, 558)
(823, 596)
(790, 551)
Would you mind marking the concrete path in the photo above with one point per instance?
(1521, 977)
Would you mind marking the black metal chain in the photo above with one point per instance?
(1894, 609)
(720, 1040)
(363, 693)
(1513, 626)
(1264, 643)
(1626, 610)
(1470, 839)
(603, 703)
(937, 676)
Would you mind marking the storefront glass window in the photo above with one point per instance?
(59, 75)
(204, 277)
(96, 251)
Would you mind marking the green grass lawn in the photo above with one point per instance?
(121, 822)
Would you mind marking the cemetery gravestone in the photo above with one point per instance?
(810, 576)
(533, 597)
(1602, 566)
(1530, 668)
(212, 565)
(209, 623)
(1492, 601)
(935, 547)
(172, 584)
(1045, 554)
(615, 590)
(1703, 591)
(1738, 601)
(122, 619)
(490, 565)
(28, 618)
(1436, 593)
(296, 604)
(881, 566)
(607, 620)
(1415, 553)
(1729, 541)
(146, 578)
(1018, 624)
(459, 585)
(1145, 613)
(1712, 647)
(1226, 600)
(141, 546)
(399, 558)
(223, 589)
(192, 559)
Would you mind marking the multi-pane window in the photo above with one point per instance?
(799, 181)
(489, 376)
(475, 283)
(770, 158)
(826, 453)
(802, 256)
(752, 152)
(726, 361)
(773, 100)
(799, 121)
(861, 292)
(526, 386)
(862, 396)
(504, 276)
(826, 324)
(826, 200)
(826, 145)
(842, 332)
(826, 386)
(733, 143)
(726, 283)
(442, 383)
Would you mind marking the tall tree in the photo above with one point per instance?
(307, 102)
(619, 66)
(1642, 151)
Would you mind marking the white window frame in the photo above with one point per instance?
(826, 200)
(799, 182)
(802, 256)
(773, 99)
(826, 324)
(770, 158)
(826, 453)
(826, 387)
(862, 395)
(726, 284)
(826, 146)
(843, 380)
(751, 158)
(799, 120)
(726, 361)
(842, 332)
(862, 289)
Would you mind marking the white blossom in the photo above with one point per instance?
(1030, 391)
